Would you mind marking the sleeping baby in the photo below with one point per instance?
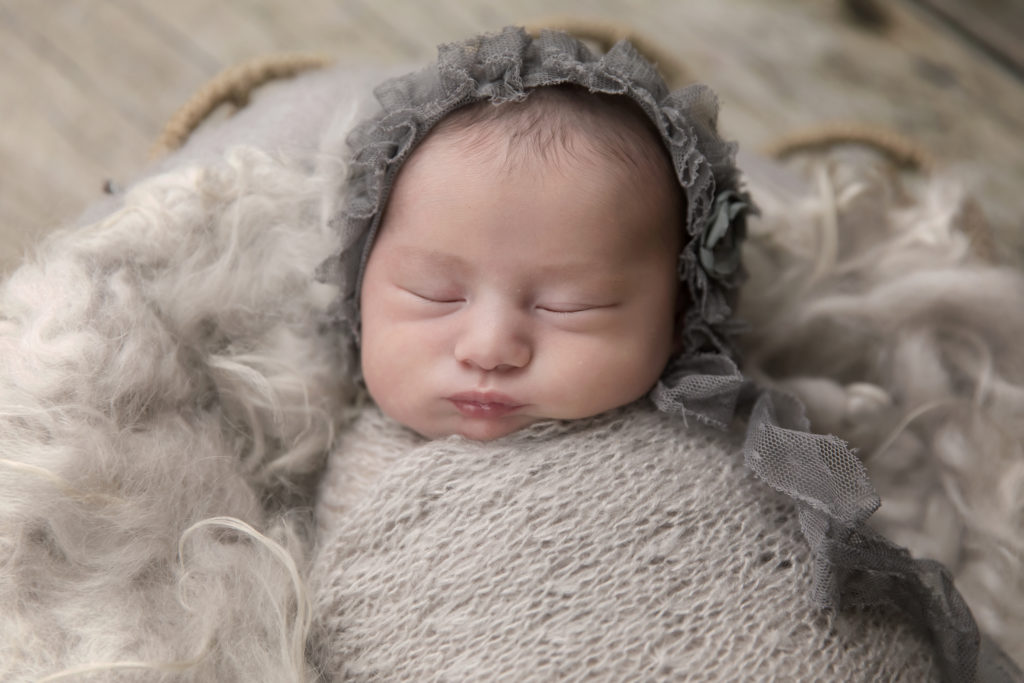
(545, 479)
(536, 457)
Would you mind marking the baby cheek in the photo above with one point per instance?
(642, 354)
(377, 372)
(399, 353)
(384, 356)
(592, 374)
(636, 370)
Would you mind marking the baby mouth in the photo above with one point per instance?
(484, 404)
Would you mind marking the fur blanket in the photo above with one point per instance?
(168, 397)
(166, 400)
(869, 301)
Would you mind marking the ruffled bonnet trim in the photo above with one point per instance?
(828, 483)
(504, 67)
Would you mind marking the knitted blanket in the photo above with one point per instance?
(630, 546)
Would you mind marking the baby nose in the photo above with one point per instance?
(493, 340)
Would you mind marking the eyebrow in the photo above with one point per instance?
(441, 260)
(431, 258)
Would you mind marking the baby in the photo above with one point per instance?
(535, 239)
(525, 269)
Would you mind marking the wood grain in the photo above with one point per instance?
(86, 85)
(994, 26)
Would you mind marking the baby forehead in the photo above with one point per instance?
(460, 179)
(558, 124)
(586, 143)
(562, 161)
(584, 209)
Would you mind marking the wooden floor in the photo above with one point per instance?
(86, 85)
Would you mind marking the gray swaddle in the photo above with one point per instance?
(630, 546)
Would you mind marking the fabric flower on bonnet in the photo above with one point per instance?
(723, 236)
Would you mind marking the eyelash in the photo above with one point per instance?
(569, 309)
(434, 300)
(440, 301)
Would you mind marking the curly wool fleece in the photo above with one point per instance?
(162, 379)
(867, 301)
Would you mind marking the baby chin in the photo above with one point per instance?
(477, 420)
(486, 428)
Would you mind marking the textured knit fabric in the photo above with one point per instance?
(630, 546)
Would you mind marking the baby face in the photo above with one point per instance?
(495, 297)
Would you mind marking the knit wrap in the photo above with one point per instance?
(630, 546)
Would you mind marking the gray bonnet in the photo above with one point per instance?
(505, 67)
(829, 485)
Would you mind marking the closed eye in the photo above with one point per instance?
(574, 308)
(434, 298)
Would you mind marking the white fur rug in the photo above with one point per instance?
(166, 398)
(867, 301)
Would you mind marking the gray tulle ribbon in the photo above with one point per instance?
(853, 564)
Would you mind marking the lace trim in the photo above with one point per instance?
(853, 564)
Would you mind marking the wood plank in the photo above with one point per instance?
(408, 45)
(421, 26)
(808, 67)
(259, 28)
(995, 26)
(37, 97)
(55, 145)
(89, 42)
(180, 41)
(91, 81)
(227, 32)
